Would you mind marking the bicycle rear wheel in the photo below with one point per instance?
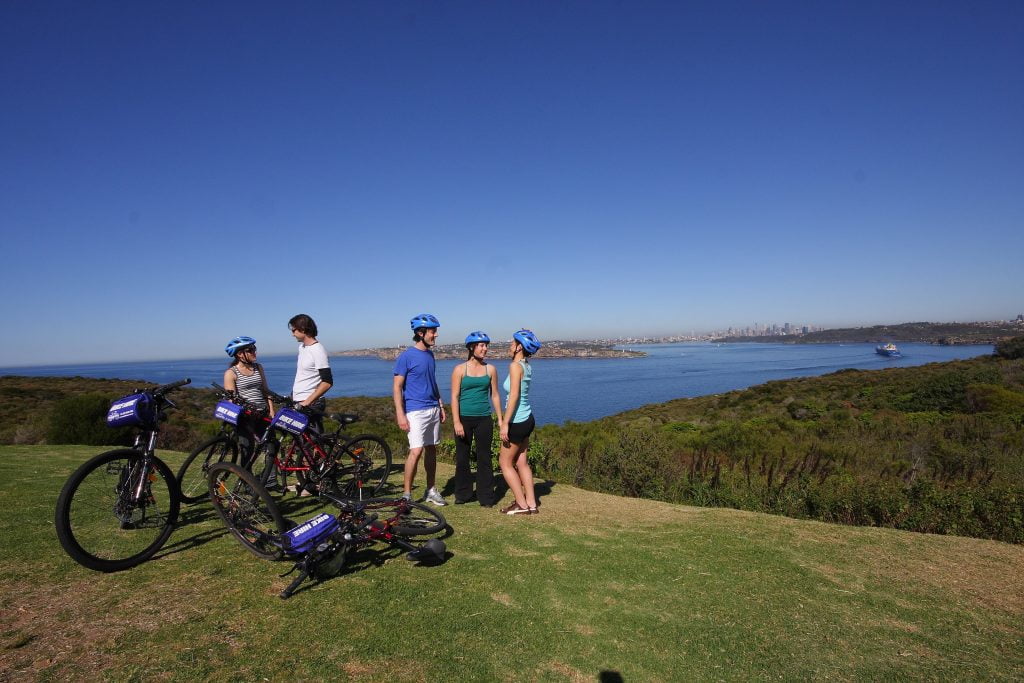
(363, 462)
(115, 511)
(193, 472)
(247, 510)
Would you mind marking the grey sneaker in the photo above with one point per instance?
(407, 496)
(433, 496)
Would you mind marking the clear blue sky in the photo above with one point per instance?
(173, 174)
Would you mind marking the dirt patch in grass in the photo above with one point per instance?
(563, 669)
(503, 598)
(74, 627)
(55, 627)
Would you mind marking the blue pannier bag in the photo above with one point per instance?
(137, 410)
(310, 534)
(227, 411)
(290, 420)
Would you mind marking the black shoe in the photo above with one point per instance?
(468, 500)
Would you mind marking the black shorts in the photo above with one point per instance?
(519, 432)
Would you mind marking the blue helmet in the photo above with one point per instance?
(423, 320)
(529, 341)
(478, 336)
(238, 343)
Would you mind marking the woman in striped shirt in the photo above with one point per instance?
(246, 379)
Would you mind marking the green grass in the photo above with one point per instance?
(593, 584)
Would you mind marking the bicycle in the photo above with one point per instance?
(224, 447)
(321, 544)
(352, 467)
(118, 508)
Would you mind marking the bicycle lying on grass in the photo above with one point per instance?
(118, 509)
(320, 545)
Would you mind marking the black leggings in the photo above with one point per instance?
(479, 428)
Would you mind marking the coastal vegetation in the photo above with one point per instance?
(936, 448)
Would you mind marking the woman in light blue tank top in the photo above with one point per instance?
(518, 424)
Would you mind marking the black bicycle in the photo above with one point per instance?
(320, 545)
(118, 509)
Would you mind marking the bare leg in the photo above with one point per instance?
(411, 461)
(430, 465)
(526, 474)
(506, 459)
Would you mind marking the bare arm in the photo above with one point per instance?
(398, 388)
(457, 374)
(229, 380)
(320, 390)
(495, 397)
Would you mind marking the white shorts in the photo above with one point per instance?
(424, 427)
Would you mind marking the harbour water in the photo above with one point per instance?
(569, 388)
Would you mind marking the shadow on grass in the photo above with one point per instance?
(193, 541)
(369, 557)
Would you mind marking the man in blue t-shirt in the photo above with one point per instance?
(418, 407)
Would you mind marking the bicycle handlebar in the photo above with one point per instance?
(165, 388)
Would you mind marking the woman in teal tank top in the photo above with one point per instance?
(517, 425)
(474, 394)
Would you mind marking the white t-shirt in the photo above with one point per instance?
(312, 359)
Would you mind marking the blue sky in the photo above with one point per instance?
(175, 174)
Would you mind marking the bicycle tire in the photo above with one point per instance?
(247, 509)
(419, 520)
(192, 475)
(99, 527)
(371, 457)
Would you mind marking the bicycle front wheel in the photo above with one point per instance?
(194, 471)
(365, 462)
(416, 519)
(247, 510)
(117, 510)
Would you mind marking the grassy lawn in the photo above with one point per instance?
(594, 584)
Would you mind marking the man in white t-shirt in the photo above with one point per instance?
(313, 373)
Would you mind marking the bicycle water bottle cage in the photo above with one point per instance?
(135, 410)
(226, 411)
(290, 421)
(308, 535)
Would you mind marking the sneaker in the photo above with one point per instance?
(514, 509)
(407, 496)
(434, 497)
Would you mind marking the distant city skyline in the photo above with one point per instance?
(176, 175)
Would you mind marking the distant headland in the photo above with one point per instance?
(551, 349)
(921, 332)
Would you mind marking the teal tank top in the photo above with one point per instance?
(474, 396)
(523, 411)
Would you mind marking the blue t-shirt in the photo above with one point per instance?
(421, 390)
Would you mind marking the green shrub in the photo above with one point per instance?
(992, 398)
(82, 419)
(1010, 349)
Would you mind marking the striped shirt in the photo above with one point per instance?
(250, 387)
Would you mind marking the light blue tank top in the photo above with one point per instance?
(523, 411)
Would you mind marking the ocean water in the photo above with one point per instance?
(568, 388)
